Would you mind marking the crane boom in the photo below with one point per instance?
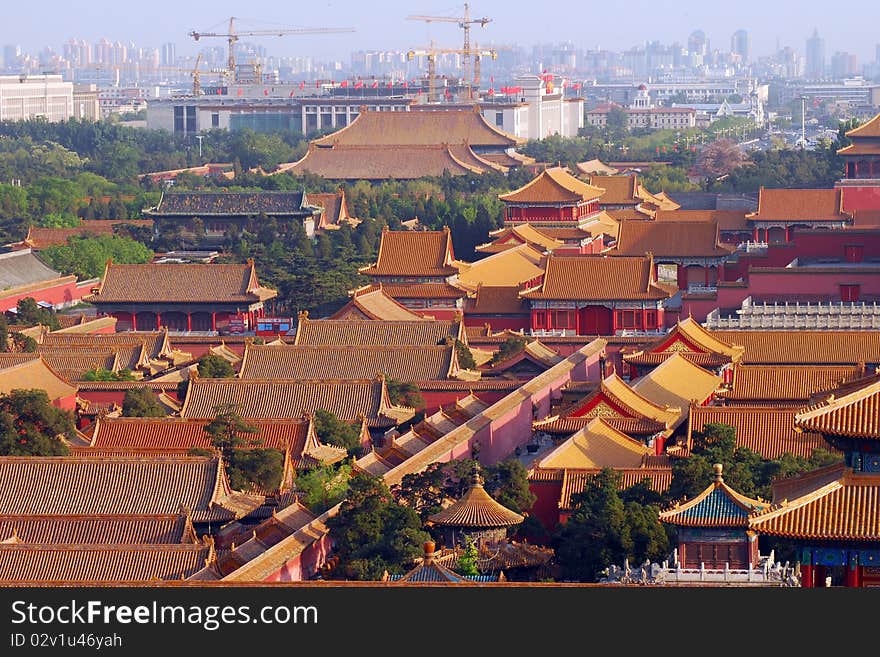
(232, 36)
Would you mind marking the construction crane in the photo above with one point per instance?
(464, 22)
(431, 54)
(197, 87)
(232, 36)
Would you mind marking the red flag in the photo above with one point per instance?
(291, 93)
(344, 83)
(358, 84)
(240, 92)
(302, 85)
(405, 84)
(390, 84)
(317, 84)
(491, 92)
(265, 92)
(375, 84)
(576, 85)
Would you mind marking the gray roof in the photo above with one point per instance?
(18, 268)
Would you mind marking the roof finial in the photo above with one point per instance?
(476, 477)
(719, 468)
(429, 551)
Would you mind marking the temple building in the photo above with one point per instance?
(335, 212)
(417, 269)
(209, 216)
(782, 211)
(408, 145)
(554, 199)
(577, 297)
(689, 254)
(476, 516)
(689, 339)
(733, 228)
(182, 297)
(391, 333)
(39, 237)
(806, 347)
(713, 528)
(783, 385)
(31, 371)
(832, 514)
(372, 303)
(861, 184)
(626, 198)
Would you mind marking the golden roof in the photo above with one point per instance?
(856, 414)
(675, 239)
(91, 529)
(476, 509)
(690, 339)
(598, 445)
(678, 382)
(35, 373)
(619, 189)
(371, 302)
(595, 167)
(585, 278)
(553, 185)
(510, 267)
(513, 236)
(800, 204)
(787, 382)
(322, 332)
(805, 347)
(726, 219)
(414, 253)
(869, 129)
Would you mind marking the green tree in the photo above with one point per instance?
(322, 487)
(404, 394)
(509, 348)
(87, 256)
(4, 334)
(142, 402)
(372, 533)
(212, 366)
(603, 530)
(467, 561)
(102, 374)
(508, 482)
(333, 431)
(29, 313)
(248, 465)
(465, 357)
(31, 426)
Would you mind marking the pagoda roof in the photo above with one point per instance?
(678, 382)
(349, 400)
(691, 340)
(414, 253)
(395, 129)
(401, 362)
(860, 148)
(224, 203)
(513, 236)
(631, 426)
(186, 283)
(770, 432)
(41, 238)
(586, 278)
(619, 189)
(597, 445)
(391, 162)
(574, 482)
(156, 344)
(676, 239)
(869, 129)
(805, 347)
(534, 350)
(553, 185)
(330, 332)
(19, 269)
(513, 266)
(370, 302)
(120, 485)
(92, 529)
(622, 395)
(717, 506)
(833, 504)
(786, 382)
(34, 373)
(855, 414)
(335, 210)
(476, 509)
(725, 219)
(68, 564)
(666, 203)
(799, 204)
(423, 291)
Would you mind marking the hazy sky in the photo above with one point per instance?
(382, 24)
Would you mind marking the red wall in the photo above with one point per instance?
(861, 198)
(512, 322)
(63, 291)
(769, 284)
(546, 506)
(305, 564)
(435, 399)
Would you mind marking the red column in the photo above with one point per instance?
(852, 576)
(788, 233)
(706, 274)
(189, 322)
(134, 322)
(158, 321)
(213, 321)
(755, 234)
(577, 321)
(807, 576)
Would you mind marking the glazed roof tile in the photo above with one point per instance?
(476, 509)
(575, 481)
(553, 185)
(670, 239)
(597, 445)
(856, 414)
(371, 302)
(97, 529)
(588, 278)
(678, 382)
(717, 506)
(414, 253)
(322, 332)
(803, 204)
(35, 374)
(805, 347)
(786, 382)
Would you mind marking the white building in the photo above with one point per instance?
(538, 109)
(25, 97)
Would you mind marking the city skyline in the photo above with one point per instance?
(387, 28)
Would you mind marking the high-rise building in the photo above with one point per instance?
(877, 54)
(169, 54)
(739, 45)
(11, 53)
(843, 65)
(24, 97)
(698, 44)
(815, 56)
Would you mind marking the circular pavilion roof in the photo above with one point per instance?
(476, 509)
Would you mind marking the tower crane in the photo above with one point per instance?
(431, 53)
(232, 36)
(464, 22)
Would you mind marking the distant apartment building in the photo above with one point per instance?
(25, 97)
(855, 91)
(85, 102)
(815, 56)
(739, 45)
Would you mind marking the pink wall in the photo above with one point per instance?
(435, 399)
(305, 564)
(769, 283)
(546, 506)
